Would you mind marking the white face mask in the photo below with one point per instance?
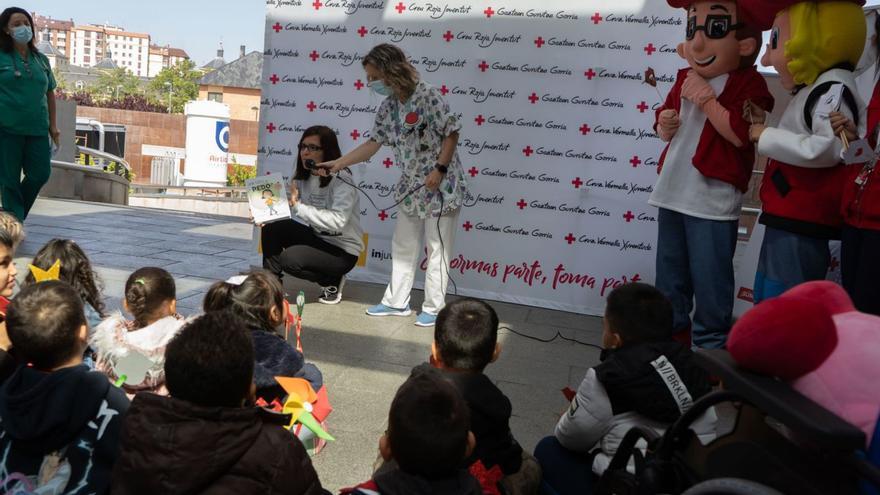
(22, 34)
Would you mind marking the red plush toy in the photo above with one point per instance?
(812, 337)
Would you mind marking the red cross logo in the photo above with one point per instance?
(467, 226)
(585, 129)
(597, 18)
(589, 74)
(363, 31)
(400, 8)
(570, 238)
(358, 84)
(317, 4)
(448, 36)
(650, 49)
(444, 90)
(474, 172)
(479, 120)
(355, 134)
(522, 204)
(274, 79)
(383, 215)
(388, 163)
(635, 162)
(577, 182)
(489, 12)
(534, 98)
(539, 42)
(528, 150)
(314, 55)
(277, 27)
(629, 216)
(271, 127)
(311, 106)
(642, 107)
(483, 66)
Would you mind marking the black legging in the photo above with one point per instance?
(293, 248)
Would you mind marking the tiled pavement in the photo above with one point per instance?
(363, 359)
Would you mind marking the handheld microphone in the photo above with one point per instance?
(310, 164)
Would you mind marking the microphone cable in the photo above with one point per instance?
(310, 164)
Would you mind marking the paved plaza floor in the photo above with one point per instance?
(363, 359)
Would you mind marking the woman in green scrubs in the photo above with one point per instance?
(27, 113)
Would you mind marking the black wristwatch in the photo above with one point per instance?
(442, 168)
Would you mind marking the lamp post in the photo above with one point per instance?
(256, 113)
(170, 90)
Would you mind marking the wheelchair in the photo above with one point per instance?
(781, 443)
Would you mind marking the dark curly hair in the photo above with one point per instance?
(210, 362)
(76, 270)
(145, 291)
(252, 300)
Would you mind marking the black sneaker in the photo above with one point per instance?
(333, 293)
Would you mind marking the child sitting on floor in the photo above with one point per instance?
(208, 437)
(76, 270)
(11, 235)
(429, 439)
(465, 342)
(645, 379)
(59, 422)
(258, 298)
(150, 297)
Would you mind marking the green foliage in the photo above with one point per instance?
(115, 84)
(181, 81)
(60, 80)
(237, 174)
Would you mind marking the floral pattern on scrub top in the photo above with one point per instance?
(417, 143)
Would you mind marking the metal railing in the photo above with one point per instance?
(115, 164)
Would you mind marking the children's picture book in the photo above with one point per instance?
(267, 198)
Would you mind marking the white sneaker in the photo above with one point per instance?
(332, 294)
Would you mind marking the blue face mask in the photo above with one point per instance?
(380, 88)
(22, 34)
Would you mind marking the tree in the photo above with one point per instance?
(116, 84)
(60, 81)
(176, 85)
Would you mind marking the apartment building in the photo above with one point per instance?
(53, 31)
(162, 57)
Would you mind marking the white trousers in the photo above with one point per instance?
(406, 251)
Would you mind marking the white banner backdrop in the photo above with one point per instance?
(557, 139)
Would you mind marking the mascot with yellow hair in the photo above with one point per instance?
(706, 166)
(815, 47)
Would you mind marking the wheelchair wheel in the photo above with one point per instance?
(730, 486)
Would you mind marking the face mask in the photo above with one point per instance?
(380, 88)
(22, 35)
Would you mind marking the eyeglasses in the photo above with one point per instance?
(774, 38)
(310, 147)
(716, 27)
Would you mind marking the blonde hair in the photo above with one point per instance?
(397, 72)
(823, 35)
(12, 229)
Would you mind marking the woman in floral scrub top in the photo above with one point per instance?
(416, 122)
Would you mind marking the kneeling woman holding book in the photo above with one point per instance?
(324, 239)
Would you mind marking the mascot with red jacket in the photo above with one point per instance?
(706, 167)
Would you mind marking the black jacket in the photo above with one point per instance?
(173, 446)
(69, 419)
(490, 420)
(635, 384)
(273, 357)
